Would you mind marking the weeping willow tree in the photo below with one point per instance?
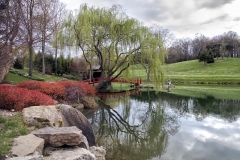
(115, 39)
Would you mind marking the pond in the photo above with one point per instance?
(164, 126)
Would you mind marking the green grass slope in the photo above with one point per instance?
(222, 71)
(15, 79)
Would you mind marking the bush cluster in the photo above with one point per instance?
(69, 91)
(54, 90)
(85, 89)
(13, 97)
(25, 75)
(76, 90)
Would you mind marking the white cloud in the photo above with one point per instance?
(184, 18)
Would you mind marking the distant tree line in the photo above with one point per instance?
(66, 65)
(201, 47)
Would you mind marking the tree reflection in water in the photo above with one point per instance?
(134, 129)
(139, 127)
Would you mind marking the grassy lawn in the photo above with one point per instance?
(11, 127)
(226, 70)
(15, 79)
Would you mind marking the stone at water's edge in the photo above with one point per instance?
(73, 154)
(88, 102)
(27, 145)
(75, 118)
(99, 152)
(84, 143)
(58, 137)
(42, 116)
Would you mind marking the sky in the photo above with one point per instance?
(183, 18)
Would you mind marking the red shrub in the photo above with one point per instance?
(76, 90)
(12, 97)
(54, 90)
(86, 89)
(64, 90)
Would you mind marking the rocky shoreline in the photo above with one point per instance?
(64, 133)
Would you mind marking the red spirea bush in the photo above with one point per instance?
(12, 97)
(85, 88)
(54, 90)
(69, 91)
(76, 90)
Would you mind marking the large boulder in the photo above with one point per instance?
(75, 118)
(99, 152)
(42, 116)
(73, 154)
(57, 137)
(27, 145)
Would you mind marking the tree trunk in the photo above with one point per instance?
(104, 86)
(43, 54)
(6, 60)
(148, 74)
(56, 51)
(205, 63)
(30, 60)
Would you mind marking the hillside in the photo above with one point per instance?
(222, 71)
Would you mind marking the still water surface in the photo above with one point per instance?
(164, 126)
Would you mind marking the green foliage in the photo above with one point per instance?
(63, 65)
(49, 63)
(206, 56)
(18, 63)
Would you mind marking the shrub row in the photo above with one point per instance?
(25, 75)
(54, 90)
(69, 91)
(13, 97)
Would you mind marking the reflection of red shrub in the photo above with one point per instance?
(12, 97)
(54, 90)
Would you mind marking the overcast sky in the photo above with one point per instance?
(184, 18)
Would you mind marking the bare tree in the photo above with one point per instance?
(50, 13)
(59, 13)
(29, 11)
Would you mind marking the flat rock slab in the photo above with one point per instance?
(57, 137)
(27, 145)
(73, 154)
